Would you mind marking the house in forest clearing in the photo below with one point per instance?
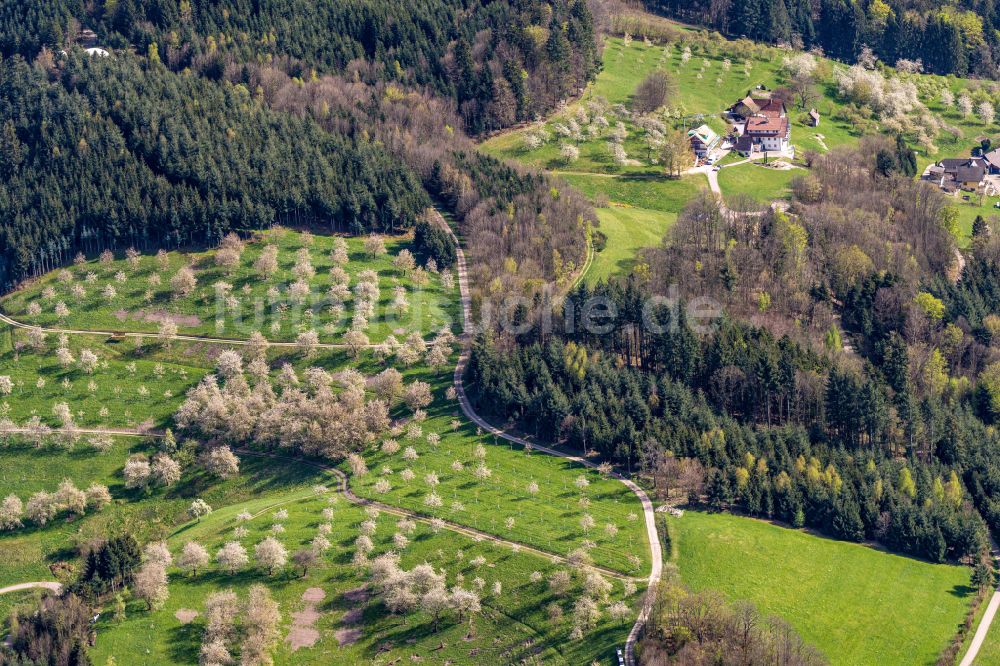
(966, 173)
(703, 140)
(86, 38)
(762, 125)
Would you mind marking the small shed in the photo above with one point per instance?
(814, 117)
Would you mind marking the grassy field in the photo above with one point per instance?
(28, 552)
(250, 306)
(128, 389)
(761, 183)
(549, 521)
(642, 209)
(856, 604)
(650, 193)
(28, 468)
(629, 230)
(967, 212)
(512, 626)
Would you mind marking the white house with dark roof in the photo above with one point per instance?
(765, 126)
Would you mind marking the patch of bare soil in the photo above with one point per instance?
(302, 633)
(347, 636)
(300, 637)
(185, 615)
(194, 349)
(158, 316)
(305, 617)
(352, 616)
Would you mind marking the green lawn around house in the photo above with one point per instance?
(762, 183)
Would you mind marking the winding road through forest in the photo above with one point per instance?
(656, 552)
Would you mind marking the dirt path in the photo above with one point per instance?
(344, 489)
(123, 432)
(155, 336)
(987, 620)
(44, 585)
(656, 553)
(960, 260)
(586, 267)
(982, 630)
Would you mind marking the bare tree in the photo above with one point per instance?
(653, 92)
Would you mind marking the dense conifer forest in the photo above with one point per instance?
(102, 152)
(228, 123)
(500, 62)
(948, 38)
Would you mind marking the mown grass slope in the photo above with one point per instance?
(856, 604)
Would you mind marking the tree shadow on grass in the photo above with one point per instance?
(402, 634)
(962, 591)
(183, 643)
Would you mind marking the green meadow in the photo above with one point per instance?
(762, 183)
(857, 604)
